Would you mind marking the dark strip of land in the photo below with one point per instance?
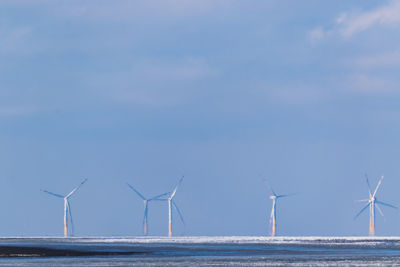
(21, 251)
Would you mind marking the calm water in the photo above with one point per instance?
(204, 251)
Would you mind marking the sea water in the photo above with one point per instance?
(200, 251)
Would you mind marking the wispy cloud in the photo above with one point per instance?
(133, 10)
(385, 59)
(348, 24)
(317, 34)
(299, 94)
(154, 82)
(182, 70)
(372, 84)
(370, 70)
(387, 15)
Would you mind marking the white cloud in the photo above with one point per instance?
(342, 18)
(349, 24)
(388, 15)
(317, 34)
(370, 70)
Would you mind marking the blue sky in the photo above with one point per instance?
(303, 93)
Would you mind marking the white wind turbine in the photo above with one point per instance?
(372, 203)
(171, 203)
(146, 205)
(67, 208)
(272, 219)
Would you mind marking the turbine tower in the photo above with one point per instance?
(67, 209)
(146, 203)
(171, 203)
(372, 203)
(272, 220)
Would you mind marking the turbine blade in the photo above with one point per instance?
(270, 187)
(70, 216)
(179, 212)
(287, 195)
(159, 197)
(377, 187)
(76, 188)
(361, 200)
(358, 214)
(379, 209)
(386, 204)
(369, 186)
(53, 194)
(176, 187)
(137, 192)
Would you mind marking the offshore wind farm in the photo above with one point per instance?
(272, 110)
(372, 203)
(150, 250)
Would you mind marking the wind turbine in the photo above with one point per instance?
(67, 208)
(146, 203)
(171, 203)
(272, 219)
(372, 202)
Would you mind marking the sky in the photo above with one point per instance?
(304, 94)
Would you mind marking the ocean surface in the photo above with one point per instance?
(200, 251)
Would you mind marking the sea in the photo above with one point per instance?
(200, 251)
